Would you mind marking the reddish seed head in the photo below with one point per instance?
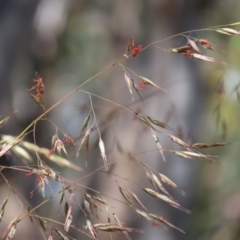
(203, 41)
(206, 44)
(130, 45)
(142, 85)
(38, 89)
(188, 54)
(136, 50)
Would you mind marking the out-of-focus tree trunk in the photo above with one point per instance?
(16, 28)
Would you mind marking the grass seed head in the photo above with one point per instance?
(103, 154)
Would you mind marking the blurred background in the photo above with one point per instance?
(67, 42)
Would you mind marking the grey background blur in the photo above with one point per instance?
(67, 42)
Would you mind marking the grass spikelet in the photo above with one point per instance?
(179, 141)
(92, 201)
(12, 230)
(103, 154)
(101, 201)
(208, 45)
(3, 208)
(41, 223)
(228, 31)
(160, 219)
(57, 144)
(4, 121)
(202, 57)
(159, 123)
(149, 82)
(113, 228)
(129, 83)
(125, 195)
(85, 123)
(87, 206)
(143, 119)
(136, 199)
(208, 145)
(146, 216)
(136, 88)
(91, 228)
(85, 139)
(160, 186)
(193, 45)
(198, 155)
(171, 183)
(165, 199)
(181, 49)
(68, 220)
(149, 176)
(158, 144)
(181, 154)
(30, 217)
